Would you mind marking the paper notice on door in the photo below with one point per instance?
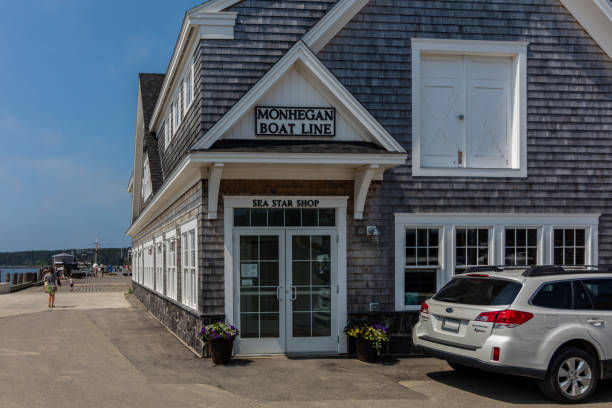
(247, 282)
(248, 270)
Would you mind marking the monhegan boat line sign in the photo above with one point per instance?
(295, 121)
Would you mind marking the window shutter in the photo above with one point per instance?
(442, 101)
(488, 112)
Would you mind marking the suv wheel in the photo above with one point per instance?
(572, 376)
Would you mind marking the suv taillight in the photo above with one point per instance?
(504, 318)
(425, 308)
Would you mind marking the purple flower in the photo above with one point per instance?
(218, 336)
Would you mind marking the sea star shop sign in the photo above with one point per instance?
(294, 121)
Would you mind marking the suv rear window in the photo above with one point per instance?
(479, 291)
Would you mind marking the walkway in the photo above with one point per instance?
(87, 355)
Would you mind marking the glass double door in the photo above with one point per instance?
(286, 291)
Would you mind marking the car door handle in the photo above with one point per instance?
(596, 322)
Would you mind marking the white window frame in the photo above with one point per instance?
(158, 259)
(170, 264)
(517, 50)
(148, 264)
(497, 223)
(189, 295)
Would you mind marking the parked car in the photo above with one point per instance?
(550, 323)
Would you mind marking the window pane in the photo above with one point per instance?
(242, 217)
(411, 237)
(433, 238)
(569, 237)
(421, 237)
(460, 238)
(419, 286)
(293, 218)
(600, 291)
(309, 218)
(327, 217)
(558, 237)
(479, 291)
(580, 237)
(581, 299)
(532, 237)
(558, 256)
(510, 232)
(483, 237)
(259, 217)
(276, 218)
(422, 256)
(410, 256)
(555, 295)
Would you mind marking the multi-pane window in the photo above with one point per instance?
(422, 264)
(159, 278)
(181, 99)
(471, 248)
(521, 247)
(189, 266)
(278, 217)
(148, 266)
(147, 187)
(569, 246)
(171, 267)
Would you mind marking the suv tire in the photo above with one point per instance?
(572, 376)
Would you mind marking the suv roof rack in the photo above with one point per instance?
(548, 270)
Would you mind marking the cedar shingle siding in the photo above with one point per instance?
(569, 118)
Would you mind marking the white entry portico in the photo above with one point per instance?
(285, 273)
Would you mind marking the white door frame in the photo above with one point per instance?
(337, 202)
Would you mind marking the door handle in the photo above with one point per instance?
(278, 292)
(293, 293)
(596, 322)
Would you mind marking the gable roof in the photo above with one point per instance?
(318, 73)
(150, 85)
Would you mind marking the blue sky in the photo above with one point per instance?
(68, 89)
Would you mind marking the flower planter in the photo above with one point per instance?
(366, 351)
(221, 350)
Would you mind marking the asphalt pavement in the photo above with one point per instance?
(91, 356)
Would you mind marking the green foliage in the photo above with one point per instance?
(106, 256)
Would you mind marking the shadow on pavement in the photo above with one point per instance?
(507, 388)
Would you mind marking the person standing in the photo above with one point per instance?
(50, 280)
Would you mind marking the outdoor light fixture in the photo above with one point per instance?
(374, 234)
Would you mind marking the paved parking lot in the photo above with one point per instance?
(124, 357)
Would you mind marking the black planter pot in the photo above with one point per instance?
(366, 351)
(221, 350)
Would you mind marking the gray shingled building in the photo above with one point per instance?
(305, 164)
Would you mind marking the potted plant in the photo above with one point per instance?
(368, 340)
(220, 339)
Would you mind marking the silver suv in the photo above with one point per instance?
(545, 322)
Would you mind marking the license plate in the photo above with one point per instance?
(451, 325)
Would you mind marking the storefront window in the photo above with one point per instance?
(422, 264)
(570, 246)
(471, 248)
(521, 246)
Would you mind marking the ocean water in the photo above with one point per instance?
(4, 272)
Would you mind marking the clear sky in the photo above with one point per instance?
(68, 89)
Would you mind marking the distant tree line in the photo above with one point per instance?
(106, 256)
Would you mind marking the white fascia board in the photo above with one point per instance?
(131, 183)
(596, 18)
(181, 180)
(489, 219)
(332, 23)
(300, 52)
(299, 158)
(208, 25)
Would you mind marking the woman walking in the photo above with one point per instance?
(50, 280)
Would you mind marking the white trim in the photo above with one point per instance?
(301, 54)
(363, 178)
(596, 18)
(496, 223)
(297, 158)
(338, 202)
(207, 24)
(186, 228)
(332, 22)
(517, 50)
(214, 182)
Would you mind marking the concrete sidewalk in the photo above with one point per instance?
(124, 357)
